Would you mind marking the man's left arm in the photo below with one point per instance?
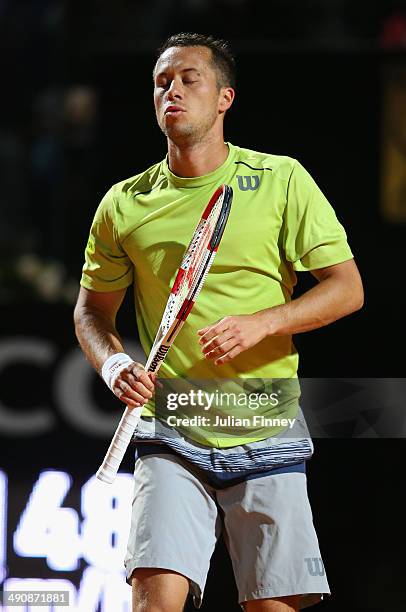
(338, 293)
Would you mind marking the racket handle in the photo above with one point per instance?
(119, 444)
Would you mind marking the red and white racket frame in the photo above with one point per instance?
(188, 283)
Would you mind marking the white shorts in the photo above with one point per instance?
(266, 522)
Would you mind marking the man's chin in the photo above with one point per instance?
(178, 134)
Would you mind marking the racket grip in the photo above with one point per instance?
(119, 444)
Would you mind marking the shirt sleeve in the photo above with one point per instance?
(312, 235)
(107, 266)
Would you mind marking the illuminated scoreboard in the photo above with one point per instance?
(76, 546)
(61, 529)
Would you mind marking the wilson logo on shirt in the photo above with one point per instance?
(250, 182)
(315, 566)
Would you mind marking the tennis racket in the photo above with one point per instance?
(188, 283)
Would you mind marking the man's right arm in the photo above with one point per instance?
(95, 326)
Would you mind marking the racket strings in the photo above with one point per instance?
(193, 265)
(192, 253)
(201, 247)
(205, 227)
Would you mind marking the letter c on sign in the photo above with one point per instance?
(40, 419)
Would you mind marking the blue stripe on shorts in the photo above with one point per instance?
(218, 479)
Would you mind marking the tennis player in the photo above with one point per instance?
(193, 482)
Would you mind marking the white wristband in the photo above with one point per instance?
(113, 366)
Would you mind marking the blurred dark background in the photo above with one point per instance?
(323, 81)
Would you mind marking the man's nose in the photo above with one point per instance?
(175, 91)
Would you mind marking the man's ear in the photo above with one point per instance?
(226, 98)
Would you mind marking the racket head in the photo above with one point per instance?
(192, 273)
(222, 218)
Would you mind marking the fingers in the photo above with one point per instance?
(223, 340)
(224, 352)
(210, 332)
(217, 347)
(154, 378)
(134, 386)
(218, 339)
(141, 376)
(127, 394)
(228, 356)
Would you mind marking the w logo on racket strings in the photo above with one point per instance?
(315, 566)
(159, 357)
(246, 183)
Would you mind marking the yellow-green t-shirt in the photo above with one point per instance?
(280, 223)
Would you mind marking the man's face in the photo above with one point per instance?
(186, 94)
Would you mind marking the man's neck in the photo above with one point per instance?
(189, 160)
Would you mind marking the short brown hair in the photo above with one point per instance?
(222, 57)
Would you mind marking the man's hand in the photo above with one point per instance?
(232, 335)
(338, 293)
(134, 386)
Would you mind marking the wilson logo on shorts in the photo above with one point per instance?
(315, 566)
(251, 182)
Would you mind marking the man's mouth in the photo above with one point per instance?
(174, 110)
